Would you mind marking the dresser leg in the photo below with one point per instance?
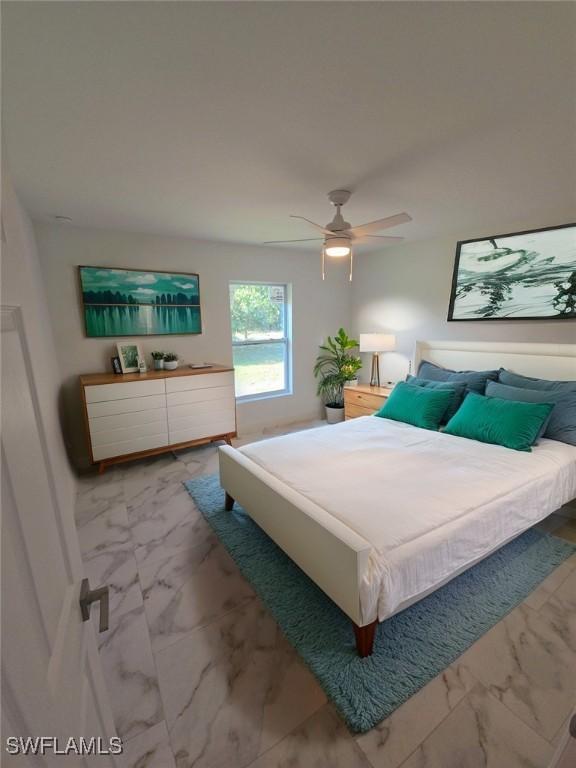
(102, 468)
(365, 639)
(228, 503)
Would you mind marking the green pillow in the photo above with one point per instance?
(459, 388)
(418, 406)
(509, 423)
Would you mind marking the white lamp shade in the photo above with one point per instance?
(377, 342)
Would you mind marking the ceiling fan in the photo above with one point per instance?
(339, 236)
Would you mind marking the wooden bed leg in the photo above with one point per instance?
(365, 638)
(228, 503)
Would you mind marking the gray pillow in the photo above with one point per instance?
(562, 424)
(517, 380)
(475, 380)
(522, 395)
(458, 387)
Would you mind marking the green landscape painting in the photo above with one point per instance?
(130, 302)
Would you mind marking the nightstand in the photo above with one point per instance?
(363, 400)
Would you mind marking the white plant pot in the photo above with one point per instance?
(171, 365)
(334, 415)
(351, 383)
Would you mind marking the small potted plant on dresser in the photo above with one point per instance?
(170, 361)
(158, 358)
(335, 366)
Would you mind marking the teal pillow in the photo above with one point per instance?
(521, 395)
(500, 422)
(457, 387)
(418, 406)
(562, 424)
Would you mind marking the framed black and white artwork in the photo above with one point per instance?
(520, 276)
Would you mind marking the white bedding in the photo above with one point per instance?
(430, 504)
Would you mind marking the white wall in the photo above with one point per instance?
(318, 309)
(406, 290)
(22, 286)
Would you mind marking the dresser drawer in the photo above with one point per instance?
(353, 411)
(200, 395)
(103, 392)
(200, 413)
(135, 445)
(363, 399)
(123, 434)
(134, 419)
(200, 381)
(223, 426)
(128, 405)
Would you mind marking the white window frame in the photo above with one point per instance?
(286, 340)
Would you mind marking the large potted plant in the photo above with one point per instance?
(335, 365)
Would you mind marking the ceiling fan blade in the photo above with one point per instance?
(303, 240)
(379, 224)
(384, 239)
(313, 223)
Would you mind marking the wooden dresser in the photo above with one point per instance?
(143, 414)
(364, 400)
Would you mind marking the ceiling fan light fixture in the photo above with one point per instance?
(337, 247)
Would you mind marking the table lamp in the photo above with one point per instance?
(376, 343)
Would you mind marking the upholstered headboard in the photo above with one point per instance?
(545, 361)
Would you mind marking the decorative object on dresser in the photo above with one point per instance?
(170, 361)
(160, 411)
(520, 276)
(132, 302)
(158, 358)
(376, 343)
(116, 365)
(363, 400)
(334, 367)
(130, 354)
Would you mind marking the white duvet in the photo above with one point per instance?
(429, 504)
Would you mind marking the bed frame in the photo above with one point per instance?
(313, 538)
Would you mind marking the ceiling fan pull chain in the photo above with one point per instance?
(323, 263)
(351, 262)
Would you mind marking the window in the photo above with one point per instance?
(260, 319)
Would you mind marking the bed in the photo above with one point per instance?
(379, 513)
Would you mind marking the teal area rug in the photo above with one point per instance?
(410, 648)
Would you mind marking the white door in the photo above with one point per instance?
(52, 684)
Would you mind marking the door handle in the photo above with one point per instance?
(100, 595)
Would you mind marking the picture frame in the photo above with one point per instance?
(528, 275)
(129, 354)
(126, 302)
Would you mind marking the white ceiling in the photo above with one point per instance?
(217, 120)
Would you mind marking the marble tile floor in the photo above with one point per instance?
(200, 676)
